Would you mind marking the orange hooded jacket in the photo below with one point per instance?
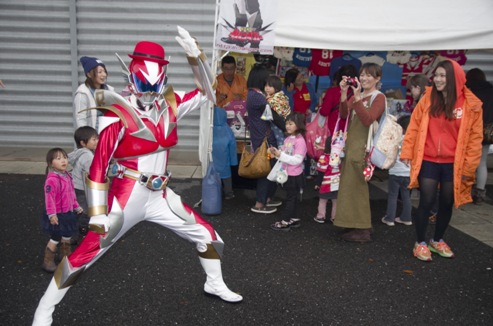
(468, 150)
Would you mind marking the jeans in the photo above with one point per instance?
(398, 184)
(265, 189)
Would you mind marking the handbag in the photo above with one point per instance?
(386, 141)
(254, 165)
(278, 174)
(338, 143)
(369, 167)
(488, 133)
(317, 132)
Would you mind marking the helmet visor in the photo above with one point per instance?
(146, 86)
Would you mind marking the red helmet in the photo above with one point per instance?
(148, 71)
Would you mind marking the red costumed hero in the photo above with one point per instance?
(136, 132)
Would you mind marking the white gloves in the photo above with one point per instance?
(187, 43)
(99, 223)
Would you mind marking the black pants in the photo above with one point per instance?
(293, 197)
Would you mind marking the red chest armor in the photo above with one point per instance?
(145, 134)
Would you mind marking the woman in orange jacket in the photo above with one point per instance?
(443, 146)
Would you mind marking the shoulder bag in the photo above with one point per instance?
(254, 165)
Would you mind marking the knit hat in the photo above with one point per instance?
(89, 63)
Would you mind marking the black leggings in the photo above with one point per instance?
(428, 191)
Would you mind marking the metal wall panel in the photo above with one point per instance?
(35, 66)
(37, 55)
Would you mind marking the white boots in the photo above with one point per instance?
(44, 313)
(214, 284)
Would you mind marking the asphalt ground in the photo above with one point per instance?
(306, 276)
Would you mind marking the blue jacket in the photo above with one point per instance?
(223, 145)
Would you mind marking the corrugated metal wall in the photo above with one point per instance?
(35, 66)
(41, 42)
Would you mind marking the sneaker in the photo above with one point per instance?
(387, 222)
(294, 223)
(320, 220)
(281, 226)
(398, 220)
(441, 248)
(263, 210)
(274, 203)
(422, 252)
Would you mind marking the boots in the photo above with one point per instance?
(478, 196)
(65, 248)
(53, 296)
(49, 261)
(358, 235)
(214, 284)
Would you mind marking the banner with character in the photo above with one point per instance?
(246, 26)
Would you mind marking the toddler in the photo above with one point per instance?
(398, 183)
(279, 104)
(292, 155)
(60, 220)
(327, 184)
(86, 139)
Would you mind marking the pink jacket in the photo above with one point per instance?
(59, 193)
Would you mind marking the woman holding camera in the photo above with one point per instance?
(366, 106)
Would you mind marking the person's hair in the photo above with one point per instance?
(83, 134)
(274, 81)
(403, 121)
(299, 121)
(419, 80)
(372, 69)
(346, 70)
(475, 74)
(290, 76)
(51, 155)
(257, 77)
(228, 59)
(440, 104)
(92, 76)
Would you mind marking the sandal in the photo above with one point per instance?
(280, 226)
(319, 219)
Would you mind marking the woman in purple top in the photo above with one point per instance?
(256, 103)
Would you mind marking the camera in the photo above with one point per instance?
(351, 81)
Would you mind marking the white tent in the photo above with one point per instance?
(385, 25)
(380, 25)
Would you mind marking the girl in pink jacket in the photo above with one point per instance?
(60, 220)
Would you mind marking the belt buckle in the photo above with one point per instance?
(154, 182)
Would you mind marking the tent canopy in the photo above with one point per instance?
(384, 25)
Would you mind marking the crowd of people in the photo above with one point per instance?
(441, 154)
(445, 121)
